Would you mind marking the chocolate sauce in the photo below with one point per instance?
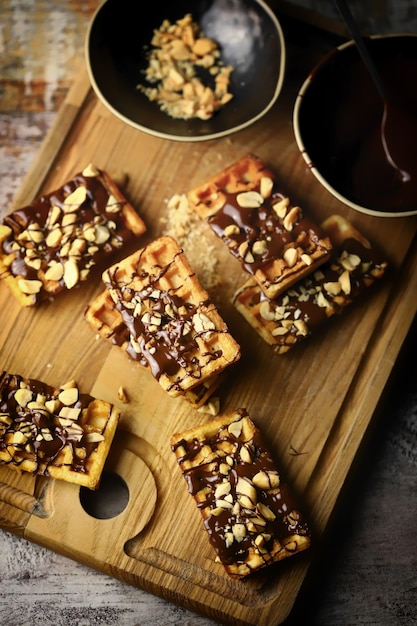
(47, 436)
(341, 121)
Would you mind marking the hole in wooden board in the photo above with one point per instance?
(109, 500)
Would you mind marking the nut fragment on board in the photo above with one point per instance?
(180, 54)
(122, 395)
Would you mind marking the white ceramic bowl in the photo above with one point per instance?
(250, 39)
(337, 114)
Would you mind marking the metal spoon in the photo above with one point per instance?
(352, 26)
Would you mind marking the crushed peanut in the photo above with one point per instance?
(180, 53)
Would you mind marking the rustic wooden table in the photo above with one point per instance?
(367, 573)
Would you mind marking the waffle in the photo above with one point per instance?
(103, 317)
(56, 432)
(271, 238)
(52, 244)
(247, 508)
(173, 327)
(306, 306)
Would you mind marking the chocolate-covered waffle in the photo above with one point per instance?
(103, 317)
(57, 432)
(247, 507)
(271, 238)
(173, 327)
(307, 305)
(52, 244)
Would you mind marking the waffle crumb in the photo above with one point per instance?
(189, 230)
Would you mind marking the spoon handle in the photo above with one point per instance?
(352, 26)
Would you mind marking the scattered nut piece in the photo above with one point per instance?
(122, 395)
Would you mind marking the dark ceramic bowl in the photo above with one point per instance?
(337, 125)
(250, 39)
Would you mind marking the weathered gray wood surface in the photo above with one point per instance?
(367, 572)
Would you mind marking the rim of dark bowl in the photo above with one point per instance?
(303, 149)
(187, 136)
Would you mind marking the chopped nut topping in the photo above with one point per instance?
(90, 171)
(345, 283)
(30, 286)
(266, 186)
(69, 396)
(23, 396)
(246, 493)
(266, 480)
(75, 199)
(281, 207)
(260, 247)
(290, 256)
(71, 413)
(307, 259)
(202, 322)
(222, 490)
(231, 229)
(235, 428)
(249, 199)
(71, 273)
(93, 437)
(179, 49)
(292, 217)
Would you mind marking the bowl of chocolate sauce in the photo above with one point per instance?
(338, 126)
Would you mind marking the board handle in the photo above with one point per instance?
(19, 499)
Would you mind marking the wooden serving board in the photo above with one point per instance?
(313, 404)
